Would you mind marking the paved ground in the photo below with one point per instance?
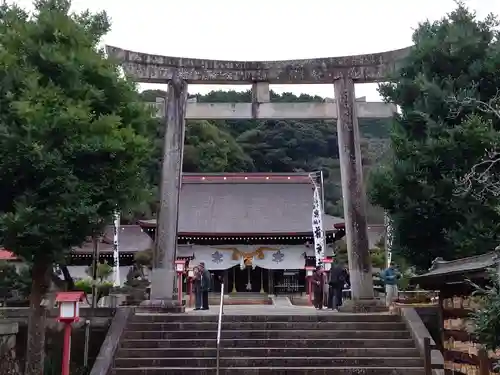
(260, 310)
(266, 310)
(280, 306)
(255, 310)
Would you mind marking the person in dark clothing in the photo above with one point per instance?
(338, 278)
(205, 286)
(318, 288)
(197, 288)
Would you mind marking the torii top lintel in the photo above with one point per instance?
(148, 68)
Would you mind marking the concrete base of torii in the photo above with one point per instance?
(360, 306)
(162, 298)
(161, 306)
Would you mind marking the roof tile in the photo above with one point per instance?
(257, 205)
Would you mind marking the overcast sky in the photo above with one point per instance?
(269, 29)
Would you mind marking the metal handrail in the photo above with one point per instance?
(219, 324)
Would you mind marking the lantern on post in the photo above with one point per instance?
(180, 268)
(309, 273)
(69, 312)
(327, 264)
(190, 281)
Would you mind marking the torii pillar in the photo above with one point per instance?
(164, 254)
(354, 198)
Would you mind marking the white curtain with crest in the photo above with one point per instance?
(282, 258)
(269, 257)
(214, 258)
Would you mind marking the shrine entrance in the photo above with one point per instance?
(341, 72)
(248, 280)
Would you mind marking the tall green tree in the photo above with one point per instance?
(71, 141)
(210, 149)
(436, 139)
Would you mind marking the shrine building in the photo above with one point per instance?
(252, 229)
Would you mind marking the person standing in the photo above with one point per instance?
(318, 288)
(390, 278)
(197, 288)
(338, 278)
(205, 286)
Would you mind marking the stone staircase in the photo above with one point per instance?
(343, 344)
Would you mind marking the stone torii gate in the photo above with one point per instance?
(342, 72)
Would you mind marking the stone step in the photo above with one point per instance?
(321, 317)
(265, 352)
(267, 334)
(270, 361)
(212, 326)
(272, 371)
(238, 343)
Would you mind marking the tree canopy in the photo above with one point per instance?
(435, 140)
(73, 141)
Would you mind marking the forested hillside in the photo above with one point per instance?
(272, 146)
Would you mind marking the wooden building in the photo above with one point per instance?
(453, 332)
(131, 240)
(454, 277)
(252, 229)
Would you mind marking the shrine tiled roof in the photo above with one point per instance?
(251, 203)
(131, 238)
(475, 263)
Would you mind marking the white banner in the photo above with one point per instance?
(116, 253)
(388, 239)
(269, 257)
(317, 228)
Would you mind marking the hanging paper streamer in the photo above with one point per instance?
(317, 226)
(388, 238)
(116, 254)
(248, 286)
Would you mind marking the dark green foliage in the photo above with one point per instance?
(13, 283)
(73, 141)
(136, 285)
(270, 146)
(435, 142)
(209, 148)
(486, 319)
(70, 131)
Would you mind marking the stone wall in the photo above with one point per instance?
(8, 361)
(433, 321)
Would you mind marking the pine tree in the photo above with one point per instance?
(72, 148)
(436, 140)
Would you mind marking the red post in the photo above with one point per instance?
(179, 293)
(66, 349)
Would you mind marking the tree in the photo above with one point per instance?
(482, 181)
(210, 149)
(98, 288)
(71, 141)
(13, 283)
(434, 145)
(103, 272)
(485, 319)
